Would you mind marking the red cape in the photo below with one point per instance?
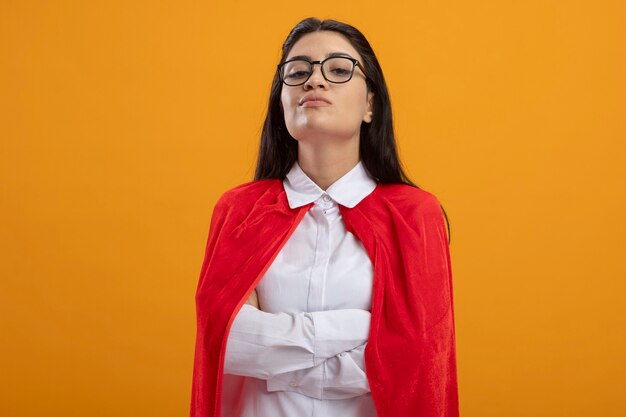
(410, 357)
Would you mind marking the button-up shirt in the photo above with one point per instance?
(303, 353)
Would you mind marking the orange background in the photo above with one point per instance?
(122, 122)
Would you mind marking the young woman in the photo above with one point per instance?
(326, 288)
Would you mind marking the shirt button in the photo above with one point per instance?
(293, 384)
(326, 197)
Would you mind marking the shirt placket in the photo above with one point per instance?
(323, 208)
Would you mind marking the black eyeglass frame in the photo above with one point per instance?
(355, 63)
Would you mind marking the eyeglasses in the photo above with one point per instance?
(336, 69)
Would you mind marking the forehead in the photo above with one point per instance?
(319, 45)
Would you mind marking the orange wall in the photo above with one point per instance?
(122, 122)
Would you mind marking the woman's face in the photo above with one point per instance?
(350, 102)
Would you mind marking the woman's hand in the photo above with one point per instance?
(253, 300)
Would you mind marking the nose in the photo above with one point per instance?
(316, 78)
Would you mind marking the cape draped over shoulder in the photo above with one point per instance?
(410, 356)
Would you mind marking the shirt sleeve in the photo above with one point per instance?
(337, 378)
(262, 345)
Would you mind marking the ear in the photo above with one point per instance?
(369, 113)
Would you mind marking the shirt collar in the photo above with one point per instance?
(348, 190)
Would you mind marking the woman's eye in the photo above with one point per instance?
(341, 71)
(298, 74)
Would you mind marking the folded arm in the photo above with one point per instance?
(340, 377)
(263, 345)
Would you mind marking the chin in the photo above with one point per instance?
(311, 130)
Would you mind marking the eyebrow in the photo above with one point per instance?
(328, 55)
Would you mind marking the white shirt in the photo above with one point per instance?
(303, 355)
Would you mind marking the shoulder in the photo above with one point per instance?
(236, 203)
(411, 207)
(247, 193)
(408, 199)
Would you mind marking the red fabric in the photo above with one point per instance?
(410, 358)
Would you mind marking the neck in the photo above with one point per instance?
(326, 164)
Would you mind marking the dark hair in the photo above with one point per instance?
(278, 150)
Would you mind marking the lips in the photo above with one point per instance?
(313, 97)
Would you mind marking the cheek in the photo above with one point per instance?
(358, 102)
(287, 103)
